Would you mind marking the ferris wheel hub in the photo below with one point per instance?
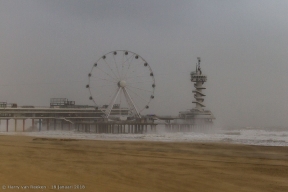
(122, 83)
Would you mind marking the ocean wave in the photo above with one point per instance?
(248, 137)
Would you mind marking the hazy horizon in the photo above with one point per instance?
(48, 48)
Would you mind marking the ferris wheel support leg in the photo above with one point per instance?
(110, 107)
(131, 103)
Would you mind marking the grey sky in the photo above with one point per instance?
(47, 49)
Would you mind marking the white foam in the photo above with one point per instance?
(249, 137)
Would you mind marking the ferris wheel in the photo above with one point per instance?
(121, 79)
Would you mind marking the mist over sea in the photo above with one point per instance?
(247, 136)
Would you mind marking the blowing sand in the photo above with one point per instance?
(54, 164)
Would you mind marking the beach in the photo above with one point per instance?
(51, 164)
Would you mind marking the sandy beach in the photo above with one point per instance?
(54, 164)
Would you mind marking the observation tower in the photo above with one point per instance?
(199, 79)
(197, 115)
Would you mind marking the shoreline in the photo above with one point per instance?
(245, 137)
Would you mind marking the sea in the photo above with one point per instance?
(247, 136)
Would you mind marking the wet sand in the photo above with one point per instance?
(139, 166)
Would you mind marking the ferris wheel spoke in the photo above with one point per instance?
(138, 95)
(116, 65)
(97, 87)
(110, 68)
(102, 79)
(144, 86)
(133, 77)
(139, 88)
(140, 71)
(124, 63)
(128, 66)
(103, 91)
(141, 82)
(99, 95)
(106, 73)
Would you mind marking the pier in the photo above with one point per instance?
(79, 119)
(116, 127)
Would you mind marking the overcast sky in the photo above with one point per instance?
(47, 49)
